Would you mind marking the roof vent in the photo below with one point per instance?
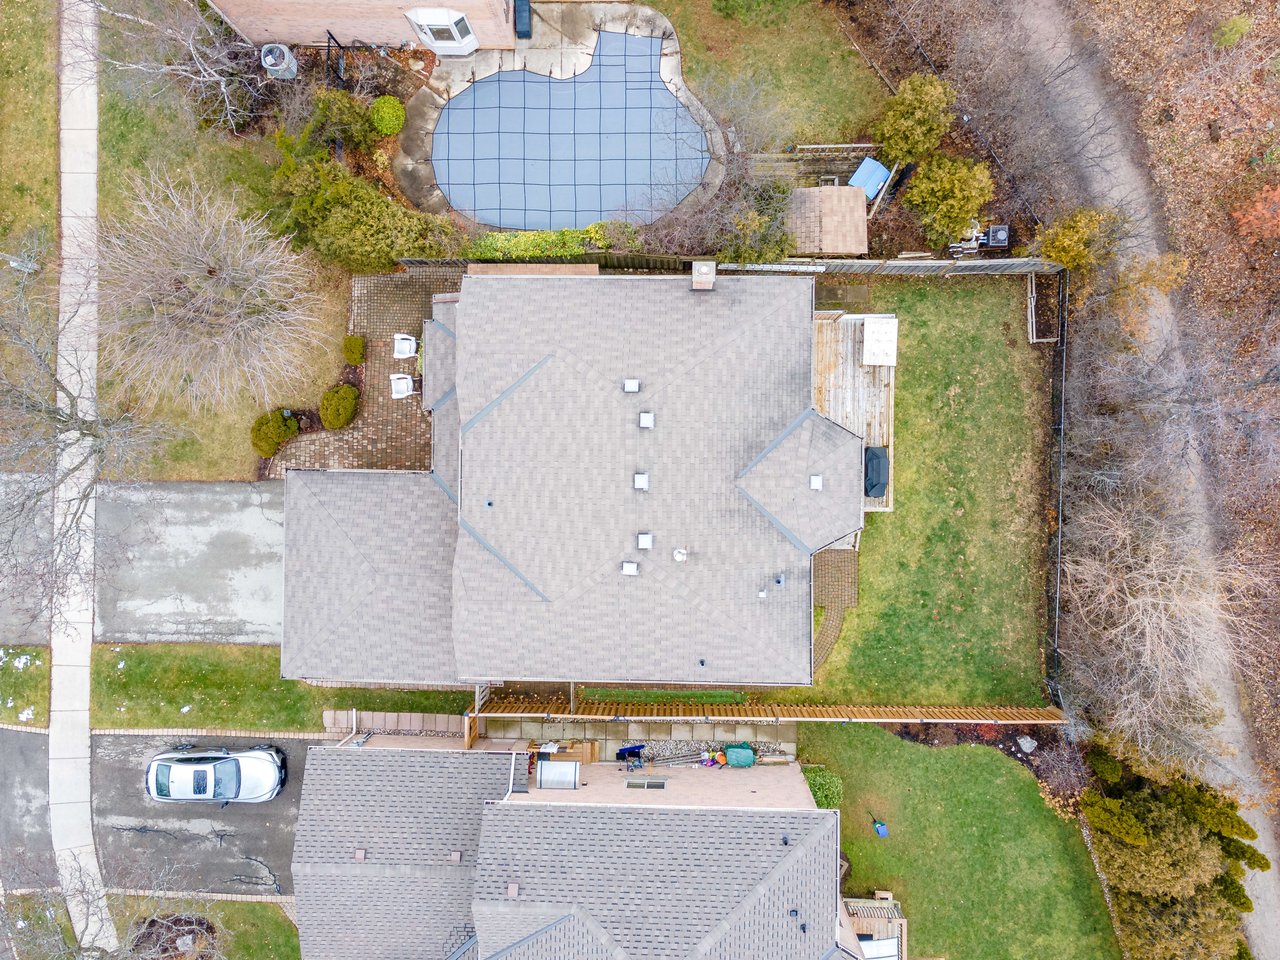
(630, 385)
(644, 541)
(704, 274)
(359, 854)
(679, 554)
(640, 481)
(763, 594)
(815, 481)
(630, 568)
(513, 890)
(646, 420)
(455, 856)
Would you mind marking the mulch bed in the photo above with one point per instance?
(174, 937)
(1002, 737)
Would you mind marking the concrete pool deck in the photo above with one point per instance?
(562, 44)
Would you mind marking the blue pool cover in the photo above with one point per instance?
(528, 152)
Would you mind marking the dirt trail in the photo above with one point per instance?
(1121, 180)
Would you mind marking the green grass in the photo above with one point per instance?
(24, 683)
(229, 686)
(28, 119)
(796, 49)
(159, 131)
(951, 602)
(625, 695)
(247, 931)
(982, 866)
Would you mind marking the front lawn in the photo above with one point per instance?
(982, 866)
(24, 685)
(793, 49)
(229, 686)
(246, 931)
(951, 595)
(28, 120)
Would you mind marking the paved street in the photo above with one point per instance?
(240, 848)
(26, 852)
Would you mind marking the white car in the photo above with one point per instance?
(216, 775)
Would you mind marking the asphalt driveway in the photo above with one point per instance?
(240, 848)
(26, 851)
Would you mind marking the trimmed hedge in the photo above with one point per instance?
(827, 788)
(270, 431)
(338, 406)
(353, 350)
(387, 115)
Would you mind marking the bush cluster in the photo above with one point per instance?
(386, 113)
(340, 116)
(353, 349)
(348, 220)
(827, 788)
(948, 193)
(270, 431)
(338, 406)
(760, 234)
(1175, 855)
(915, 119)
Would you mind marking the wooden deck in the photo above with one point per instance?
(590, 710)
(857, 397)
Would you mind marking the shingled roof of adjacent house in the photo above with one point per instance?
(656, 883)
(368, 576)
(373, 859)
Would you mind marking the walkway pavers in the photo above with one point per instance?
(71, 631)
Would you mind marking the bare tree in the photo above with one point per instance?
(200, 303)
(188, 43)
(55, 443)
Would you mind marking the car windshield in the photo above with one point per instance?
(162, 780)
(226, 780)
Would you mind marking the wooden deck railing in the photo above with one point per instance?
(587, 710)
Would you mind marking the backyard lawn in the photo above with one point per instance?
(28, 120)
(982, 866)
(229, 686)
(951, 592)
(793, 49)
(24, 685)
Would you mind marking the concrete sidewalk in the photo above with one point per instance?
(71, 630)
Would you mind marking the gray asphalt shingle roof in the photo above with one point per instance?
(550, 445)
(368, 577)
(408, 810)
(660, 882)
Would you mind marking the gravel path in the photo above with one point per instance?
(1122, 181)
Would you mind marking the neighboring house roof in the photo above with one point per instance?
(368, 576)
(828, 220)
(649, 883)
(408, 811)
(551, 444)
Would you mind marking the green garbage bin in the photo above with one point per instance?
(740, 755)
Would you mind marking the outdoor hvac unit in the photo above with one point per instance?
(279, 61)
(558, 774)
(998, 236)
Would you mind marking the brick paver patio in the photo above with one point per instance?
(387, 434)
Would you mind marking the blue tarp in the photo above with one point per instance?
(871, 176)
(527, 152)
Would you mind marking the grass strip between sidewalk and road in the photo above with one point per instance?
(230, 686)
(24, 685)
(981, 864)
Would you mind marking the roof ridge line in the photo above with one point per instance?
(726, 922)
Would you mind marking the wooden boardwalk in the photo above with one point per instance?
(589, 711)
(857, 397)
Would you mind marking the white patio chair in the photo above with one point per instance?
(405, 346)
(401, 386)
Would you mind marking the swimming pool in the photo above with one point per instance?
(529, 152)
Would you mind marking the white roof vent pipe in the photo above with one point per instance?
(679, 554)
(630, 385)
(704, 274)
